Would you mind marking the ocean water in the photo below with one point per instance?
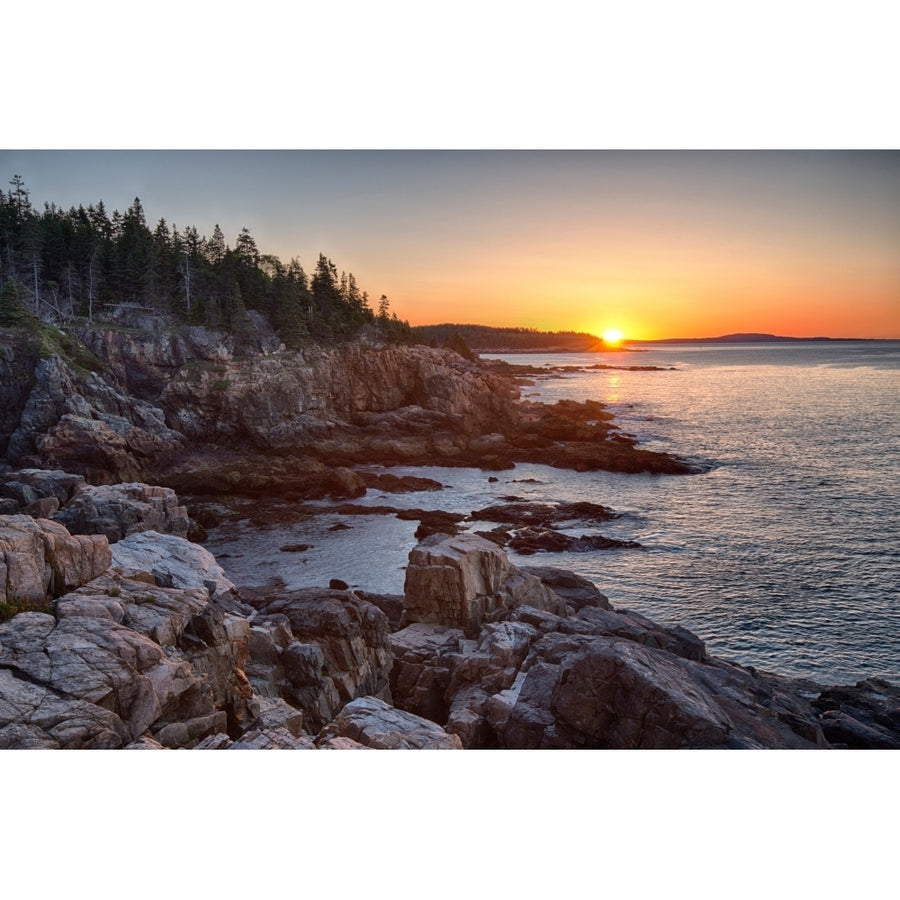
(784, 555)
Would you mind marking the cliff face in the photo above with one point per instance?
(294, 401)
(181, 406)
(163, 393)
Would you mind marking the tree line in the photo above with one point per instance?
(487, 337)
(62, 265)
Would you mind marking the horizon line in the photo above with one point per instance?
(746, 336)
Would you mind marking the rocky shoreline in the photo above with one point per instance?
(121, 631)
(146, 644)
(185, 410)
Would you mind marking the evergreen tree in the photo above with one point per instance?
(19, 197)
(215, 249)
(13, 312)
(75, 262)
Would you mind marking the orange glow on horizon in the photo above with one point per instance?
(733, 303)
(792, 246)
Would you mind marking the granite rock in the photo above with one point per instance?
(465, 580)
(374, 723)
(39, 559)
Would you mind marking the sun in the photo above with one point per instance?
(612, 336)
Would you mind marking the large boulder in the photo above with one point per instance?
(865, 715)
(602, 679)
(465, 580)
(39, 559)
(374, 723)
(29, 485)
(172, 562)
(604, 693)
(123, 509)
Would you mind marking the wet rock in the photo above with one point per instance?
(528, 541)
(497, 536)
(523, 513)
(399, 484)
(864, 716)
(347, 483)
(432, 521)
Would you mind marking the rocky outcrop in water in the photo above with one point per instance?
(595, 677)
(465, 581)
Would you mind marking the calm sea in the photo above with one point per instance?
(785, 555)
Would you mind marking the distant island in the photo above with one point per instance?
(744, 338)
(490, 339)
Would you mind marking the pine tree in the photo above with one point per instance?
(19, 197)
(70, 263)
(215, 249)
(290, 303)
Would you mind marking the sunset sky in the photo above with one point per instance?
(656, 243)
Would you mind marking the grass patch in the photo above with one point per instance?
(12, 606)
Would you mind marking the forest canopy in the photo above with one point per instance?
(487, 338)
(61, 265)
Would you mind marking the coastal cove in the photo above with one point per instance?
(781, 556)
